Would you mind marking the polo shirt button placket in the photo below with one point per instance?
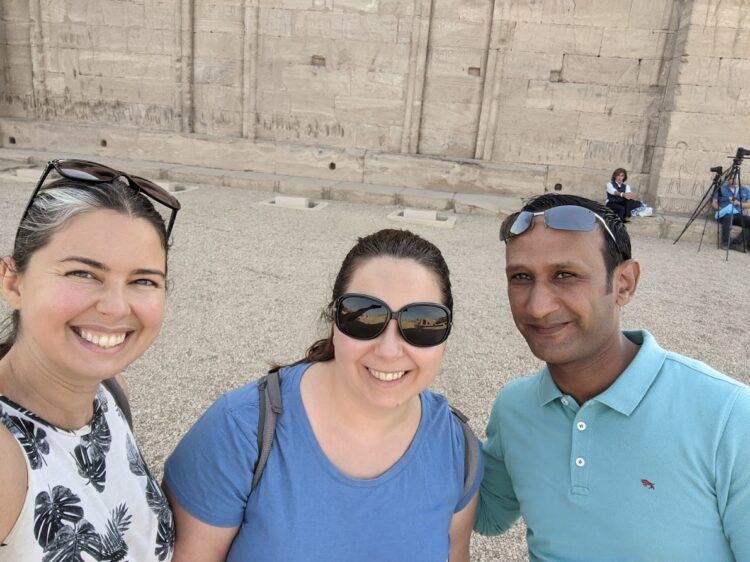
(579, 447)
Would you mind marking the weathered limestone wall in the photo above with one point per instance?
(707, 104)
(507, 96)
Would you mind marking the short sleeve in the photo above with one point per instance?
(733, 476)
(498, 505)
(211, 470)
(477, 479)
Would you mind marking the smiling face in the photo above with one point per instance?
(559, 295)
(92, 300)
(619, 178)
(386, 372)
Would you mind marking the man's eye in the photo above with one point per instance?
(146, 282)
(520, 277)
(564, 275)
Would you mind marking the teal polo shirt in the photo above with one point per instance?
(656, 468)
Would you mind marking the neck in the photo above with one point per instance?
(63, 403)
(583, 380)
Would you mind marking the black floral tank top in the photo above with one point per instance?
(90, 494)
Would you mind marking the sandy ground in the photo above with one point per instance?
(249, 282)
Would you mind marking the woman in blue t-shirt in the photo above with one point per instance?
(366, 463)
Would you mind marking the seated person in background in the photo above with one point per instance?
(730, 202)
(620, 198)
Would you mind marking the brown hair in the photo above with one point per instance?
(400, 244)
(617, 172)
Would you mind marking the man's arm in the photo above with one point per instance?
(498, 505)
(733, 477)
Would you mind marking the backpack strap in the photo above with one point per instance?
(121, 400)
(271, 407)
(471, 450)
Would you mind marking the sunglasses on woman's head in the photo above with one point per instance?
(421, 324)
(92, 172)
(564, 217)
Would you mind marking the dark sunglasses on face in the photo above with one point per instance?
(92, 172)
(564, 217)
(421, 324)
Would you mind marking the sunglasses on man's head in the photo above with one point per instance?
(92, 172)
(421, 324)
(564, 217)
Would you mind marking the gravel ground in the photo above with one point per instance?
(249, 282)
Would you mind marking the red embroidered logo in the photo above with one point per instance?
(647, 484)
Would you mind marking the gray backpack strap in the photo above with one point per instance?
(271, 407)
(471, 450)
(121, 400)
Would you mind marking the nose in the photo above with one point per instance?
(113, 301)
(390, 344)
(541, 301)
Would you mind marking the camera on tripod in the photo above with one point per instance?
(729, 199)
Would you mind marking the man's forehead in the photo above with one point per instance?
(542, 244)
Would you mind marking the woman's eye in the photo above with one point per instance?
(82, 274)
(146, 283)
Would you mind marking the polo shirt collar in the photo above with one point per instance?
(548, 390)
(630, 387)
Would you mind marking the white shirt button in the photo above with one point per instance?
(581, 426)
(580, 462)
(564, 401)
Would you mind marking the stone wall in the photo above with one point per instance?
(508, 96)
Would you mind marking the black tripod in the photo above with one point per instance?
(730, 177)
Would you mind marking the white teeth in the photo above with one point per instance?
(386, 377)
(102, 340)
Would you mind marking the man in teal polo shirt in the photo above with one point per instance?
(617, 450)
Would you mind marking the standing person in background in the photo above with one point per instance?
(620, 197)
(731, 202)
(617, 449)
(87, 285)
(366, 463)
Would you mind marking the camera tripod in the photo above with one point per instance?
(730, 177)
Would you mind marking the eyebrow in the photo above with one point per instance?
(98, 265)
(511, 267)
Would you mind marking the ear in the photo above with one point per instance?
(625, 281)
(11, 282)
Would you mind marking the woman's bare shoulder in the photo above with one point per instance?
(13, 481)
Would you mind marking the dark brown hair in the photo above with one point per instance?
(614, 251)
(399, 244)
(619, 171)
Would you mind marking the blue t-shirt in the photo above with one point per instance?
(726, 194)
(304, 508)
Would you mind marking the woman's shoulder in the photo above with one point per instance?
(14, 481)
(438, 410)
(241, 406)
